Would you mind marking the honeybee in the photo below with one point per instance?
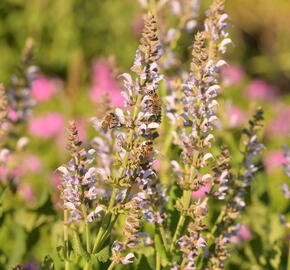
(110, 121)
(153, 104)
(145, 151)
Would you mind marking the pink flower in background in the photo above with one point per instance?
(103, 82)
(26, 192)
(235, 116)
(156, 165)
(243, 234)
(42, 88)
(260, 90)
(12, 114)
(232, 75)
(280, 125)
(273, 159)
(4, 172)
(31, 163)
(201, 193)
(55, 179)
(46, 126)
(81, 127)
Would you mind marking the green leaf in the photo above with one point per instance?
(143, 250)
(275, 256)
(47, 263)
(144, 264)
(45, 206)
(19, 244)
(78, 247)
(103, 255)
(61, 253)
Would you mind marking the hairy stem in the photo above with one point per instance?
(158, 261)
(65, 238)
(111, 265)
(106, 221)
(163, 236)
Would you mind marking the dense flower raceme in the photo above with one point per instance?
(147, 121)
(78, 181)
(186, 13)
(126, 151)
(194, 136)
(286, 163)
(285, 187)
(19, 94)
(227, 224)
(15, 107)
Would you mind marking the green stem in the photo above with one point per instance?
(106, 220)
(178, 231)
(112, 223)
(164, 151)
(113, 197)
(288, 259)
(163, 236)
(111, 265)
(158, 261)
(183, 263)
(108, 231)
(87, 266)
(65, 238)
(152, 6)
(88, 242)
(87, 230)
(186, 202)
(98, 238)
(217, 222)
(187, 198)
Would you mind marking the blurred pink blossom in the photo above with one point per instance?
(243, 234)
(4, 172)
(55, 179)
(81, 127)
(104, 82)
(260, 90)
(12, 114)
(232, 75)
(46, 126)
(17, 172)
(31, 163)
(42, 88)
(236, 116)
(26, 192)
(280, 125)
(156, 165)
(201, 193)
(273, 159)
